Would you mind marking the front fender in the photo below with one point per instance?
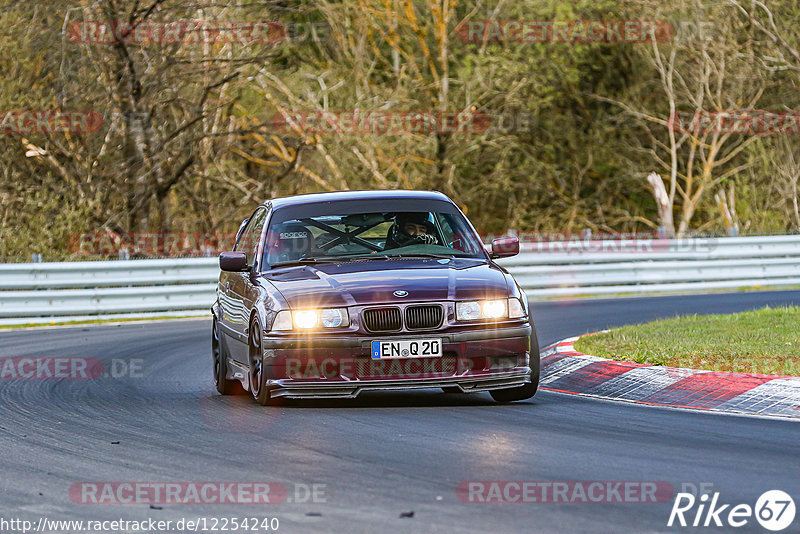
(267, 304)
(263, 315)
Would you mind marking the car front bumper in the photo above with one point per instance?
(341, 367)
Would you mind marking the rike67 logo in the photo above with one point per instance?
(774, 510)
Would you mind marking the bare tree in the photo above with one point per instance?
(699, 73)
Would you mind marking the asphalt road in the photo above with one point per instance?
(376, 457)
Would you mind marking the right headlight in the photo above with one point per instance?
(487, 310)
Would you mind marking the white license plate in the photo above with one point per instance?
(406, 348)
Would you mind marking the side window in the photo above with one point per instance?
(447, 231)
(250, 243)
(249, 239)
(240, 233)
(456, 233)
(245, 233)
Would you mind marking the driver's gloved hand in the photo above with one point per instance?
(425, 239)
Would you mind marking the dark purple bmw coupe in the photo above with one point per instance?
(328, 295)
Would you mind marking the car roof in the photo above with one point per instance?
(335, 196)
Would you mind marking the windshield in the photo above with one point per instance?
(309, 238)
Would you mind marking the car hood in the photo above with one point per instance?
(366, 282)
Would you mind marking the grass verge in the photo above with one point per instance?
(765, 341)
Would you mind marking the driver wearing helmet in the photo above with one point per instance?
(410, 229)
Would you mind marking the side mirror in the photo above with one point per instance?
(505, 247)
(234, 262)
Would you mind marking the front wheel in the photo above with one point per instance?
(221, 381)
(257, 376)
(528, 390)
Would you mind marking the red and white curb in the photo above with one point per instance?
(567, 371)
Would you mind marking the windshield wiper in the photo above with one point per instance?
(304, 261)
(404, 255)
(423, 255)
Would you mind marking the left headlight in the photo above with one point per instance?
(326, 318)
(477, 310)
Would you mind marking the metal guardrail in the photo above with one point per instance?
(57, 292)
(74, 291)
(585, 267)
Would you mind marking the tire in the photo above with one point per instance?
(256, 375)
(528, 390)
(220, 360)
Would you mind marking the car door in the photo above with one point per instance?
(223, 285)
(241, 288)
